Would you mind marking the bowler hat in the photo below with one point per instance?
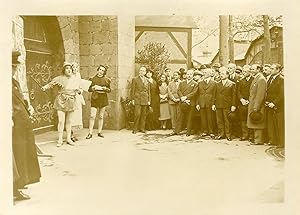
(232, 116)
(202, 67)
(197, 73)
(15, 57)
(216, 65)
(238, 69)
(256, 117)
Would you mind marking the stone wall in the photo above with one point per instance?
(98, 39)
(70, 34)
(18, 44)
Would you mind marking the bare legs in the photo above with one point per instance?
(92, 121)
(64, 117)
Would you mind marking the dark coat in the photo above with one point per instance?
(189, 90)
(99, 99)
(243, 92)
(225, 95)
(140, 91)
(275, 92)
(206, 93)
(257, 97)
(23, 142)
(236, 78)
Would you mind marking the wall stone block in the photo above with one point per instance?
(100, 37)
(85, 38)
(84, 49)
(84, 27)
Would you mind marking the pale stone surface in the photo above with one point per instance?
(155, 174)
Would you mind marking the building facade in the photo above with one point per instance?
(47, 41)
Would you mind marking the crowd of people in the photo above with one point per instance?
(218, 102)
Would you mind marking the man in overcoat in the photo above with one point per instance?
(275, 106)
(25, 162)
(256, 105)
(225, 102)
(205, 99)
(140, 96)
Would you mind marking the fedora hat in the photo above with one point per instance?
(256, 117)
(232, 116)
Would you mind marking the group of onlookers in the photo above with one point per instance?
(213, 101)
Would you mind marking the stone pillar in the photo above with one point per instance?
(126, 62)
(98, 36)
(69, 27)
(18, 44)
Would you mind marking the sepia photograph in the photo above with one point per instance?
(147, 114)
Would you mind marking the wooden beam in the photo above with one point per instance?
(177, 44)
(189, 52)
(139, 35)
(177, 61)
(161, 29)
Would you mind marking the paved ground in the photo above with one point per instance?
(154, 174)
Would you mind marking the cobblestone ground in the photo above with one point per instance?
(142, 174)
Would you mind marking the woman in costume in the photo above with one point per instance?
(100, 87)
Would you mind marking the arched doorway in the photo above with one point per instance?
(44, 55)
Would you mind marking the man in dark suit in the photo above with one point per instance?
(174, 98)
(275, 106)
(235, 77)
(225, 102)
(140, 96)
(186, 91)
(243, 89)
(26, 169)
(267, 74)
(256, 105)
(205, 99)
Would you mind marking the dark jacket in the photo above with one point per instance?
(189, 90)
(140, 91)
(275, 92)
(206, 93)
(243, 89)
(99, 99)
(225, 95)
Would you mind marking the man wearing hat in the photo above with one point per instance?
(243, 91)
(26, 169)
(225, 102)
(256, 119)
(182, 73)
(275, 106)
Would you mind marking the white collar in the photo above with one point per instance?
(224, 81)
(207, 79)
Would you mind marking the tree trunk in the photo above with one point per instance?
(231, 41)
(267, 41)
(223, 44)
